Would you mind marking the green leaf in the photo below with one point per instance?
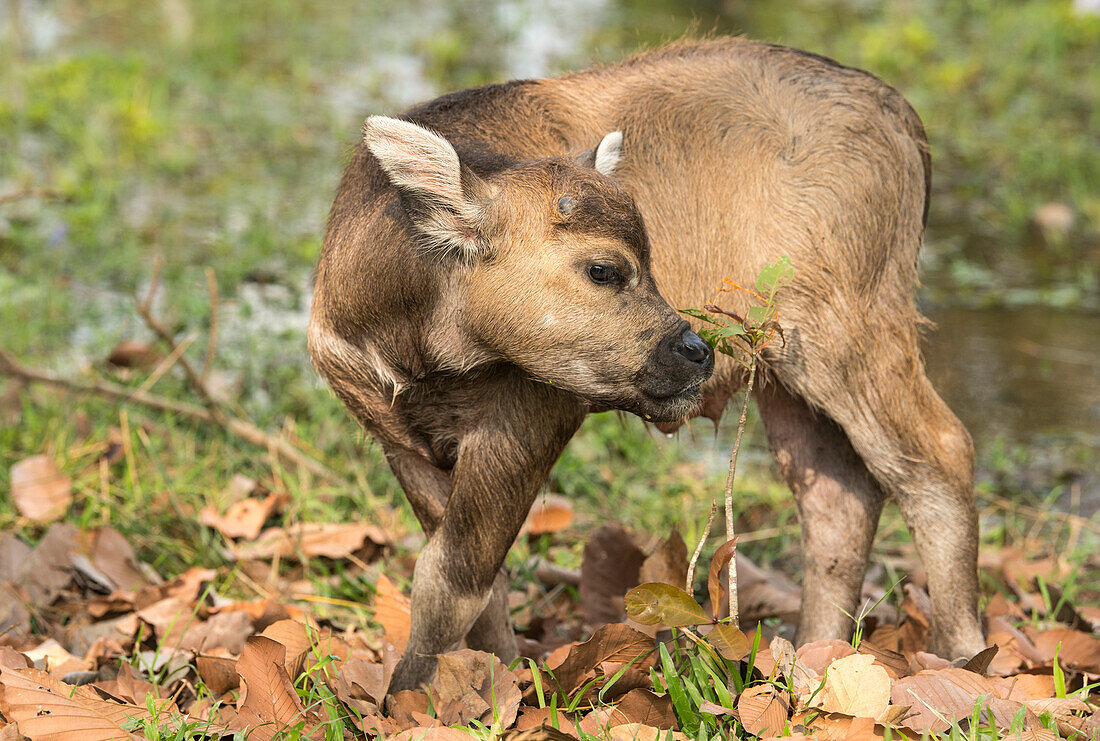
(688, 719)
(758, 315)
(1059, 674)
(730, 642)
(719, 684)
(699, 314)
(774, 275)
(664, 604)
(708, 336)
(729, 330)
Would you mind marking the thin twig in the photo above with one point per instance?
(243, 429)
(730, 314)
(1041, 514)
(154, 283)
(165, 365)
(689, 583)
(143, 308)
(28, 193)
(212, 340)
(730, 534)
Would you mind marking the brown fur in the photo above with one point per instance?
(734, 153)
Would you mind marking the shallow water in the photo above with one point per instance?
(1027, 374)
(1026, 383)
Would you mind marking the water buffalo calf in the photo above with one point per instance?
(497, 263)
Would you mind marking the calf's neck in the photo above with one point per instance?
(501, 261)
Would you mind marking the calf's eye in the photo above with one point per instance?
(603, 274)
(566, 204)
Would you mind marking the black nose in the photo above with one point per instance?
(691, 347)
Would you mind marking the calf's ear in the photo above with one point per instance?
(443, 197)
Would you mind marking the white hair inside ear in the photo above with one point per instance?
(425, 166)
(608, 153)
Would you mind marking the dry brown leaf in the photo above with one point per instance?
(913, 631)
(40, 490)
(57, 660)
(468, 683)
(243, 519)
(13, 659)
(133, 354)
(895, 664)
(551, 513)
(432, 733)
(312, 540)
(938, 696)
(15, 618)
(716, 584)
(114, 557)
(922, 660)
(818, 655)
(763, 710)
(218, 673)
(134, 689)
(782, 651)
(1059, 707)
(171, 619)
(644, 706)
(227, 631)
(393, 611)
(1079, 650)
(530, 718)
(999, 606)
(884, 636)
(1022, 687)
(1091, 613)
(295, 638)
(262, 612)
(13, 558)
(360, 681)
(405, 705)
(270, 703)
(979, 662)
(840, 727)
(642, 732)
(612, 643)
(857, 686)
(187, 587)
(611, 567)
(45, 708)
(668, 562)
(713, 708)
(599, 720)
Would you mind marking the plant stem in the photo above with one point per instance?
(690, 582)
(732, 587)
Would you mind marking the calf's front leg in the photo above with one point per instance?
(502, 462)
(428, 489)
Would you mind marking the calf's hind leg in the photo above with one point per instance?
(838, 507)
(920, 454)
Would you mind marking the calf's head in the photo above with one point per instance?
(547, 266)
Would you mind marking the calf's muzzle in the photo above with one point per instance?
(677, 366)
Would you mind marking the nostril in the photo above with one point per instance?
(692, 347)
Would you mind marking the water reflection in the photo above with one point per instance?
(1024, 374)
